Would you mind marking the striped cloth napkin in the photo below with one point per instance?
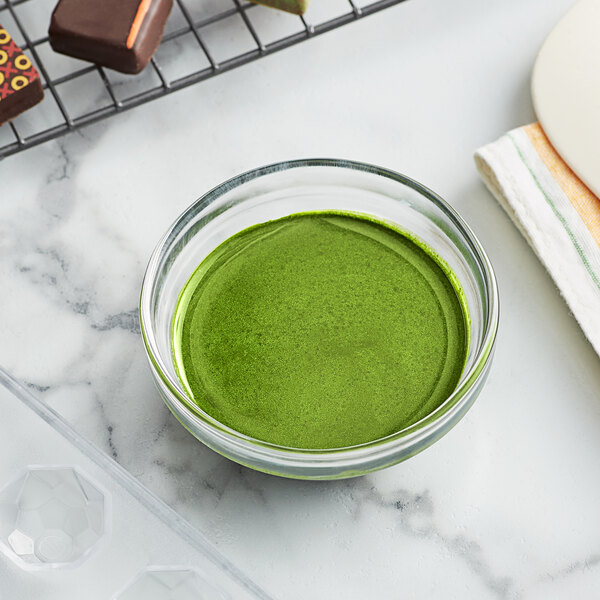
(556, 213)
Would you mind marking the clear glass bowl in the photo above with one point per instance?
(306, 185)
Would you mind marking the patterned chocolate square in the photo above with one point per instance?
(20, 85)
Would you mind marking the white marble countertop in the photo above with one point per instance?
(506, 505)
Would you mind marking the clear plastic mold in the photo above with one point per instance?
(52, 516)
(74, 507)
(169, 583)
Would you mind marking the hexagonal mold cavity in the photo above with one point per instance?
(169, 583)
(52, 516)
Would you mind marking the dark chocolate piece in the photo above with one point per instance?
(20, 86)
(118, 34)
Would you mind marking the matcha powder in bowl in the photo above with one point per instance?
(319, 330)
(319, 319)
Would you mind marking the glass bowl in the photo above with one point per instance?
(273, 192)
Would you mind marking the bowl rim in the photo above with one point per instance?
(229, 441)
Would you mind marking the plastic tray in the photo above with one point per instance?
(74, 524)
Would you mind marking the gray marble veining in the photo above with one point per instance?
(506, 505)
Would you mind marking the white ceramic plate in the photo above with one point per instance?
(566, 90)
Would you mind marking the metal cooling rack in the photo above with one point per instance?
(202, 39)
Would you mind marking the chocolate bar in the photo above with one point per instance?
(298, 7)
(20, 85)
(118, 34)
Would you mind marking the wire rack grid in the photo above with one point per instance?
(202, 39)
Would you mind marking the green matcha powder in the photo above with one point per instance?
(320, 330)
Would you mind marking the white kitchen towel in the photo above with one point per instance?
(556, 213)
